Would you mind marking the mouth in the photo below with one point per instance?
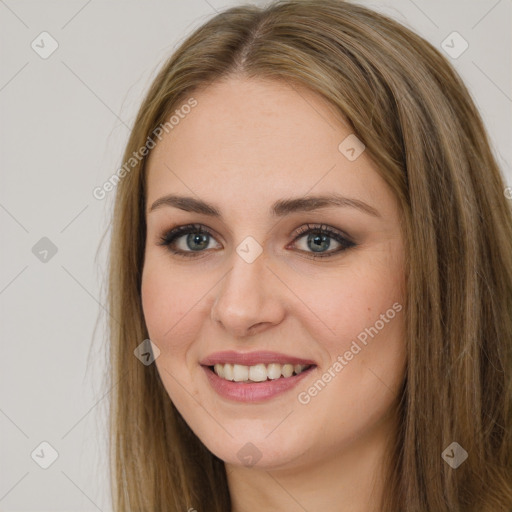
(257, 373)
(256, 376)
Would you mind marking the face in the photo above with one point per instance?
(300, 302)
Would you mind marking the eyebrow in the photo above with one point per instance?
(278, 209)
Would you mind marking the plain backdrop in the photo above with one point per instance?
(64, 121)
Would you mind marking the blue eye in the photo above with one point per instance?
(191, 240)
(318, 238)
(197, 238)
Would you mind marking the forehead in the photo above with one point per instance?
(241, 116)
(256, 139)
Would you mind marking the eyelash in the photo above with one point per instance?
(172, 235)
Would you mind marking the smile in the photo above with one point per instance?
(257, 373)
(254, 376)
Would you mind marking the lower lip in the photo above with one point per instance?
(256, 391)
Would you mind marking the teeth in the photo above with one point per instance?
(273, 371)
(287, 370)
(240, 372)
(228, 372)
(219, 370)
(297, 368)
(257, 373)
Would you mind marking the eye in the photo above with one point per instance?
(187, 240)
(318, 239)
(192, 239)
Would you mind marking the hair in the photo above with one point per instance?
(407, 104)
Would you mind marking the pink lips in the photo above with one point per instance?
(252, 358)
(253, 391)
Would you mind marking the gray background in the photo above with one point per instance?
(64, 123)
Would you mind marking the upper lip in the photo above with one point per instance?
(252, 358)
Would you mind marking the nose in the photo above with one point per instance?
(249, 299)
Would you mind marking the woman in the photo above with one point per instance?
(313, 233)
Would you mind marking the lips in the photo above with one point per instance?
(253, 358)
(254, 376)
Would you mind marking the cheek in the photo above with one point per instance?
(366, 360)
(167, 303)
(170, 320)
(351, 303)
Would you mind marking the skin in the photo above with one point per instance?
(245, 145)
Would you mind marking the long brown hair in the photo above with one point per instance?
(417, 120)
